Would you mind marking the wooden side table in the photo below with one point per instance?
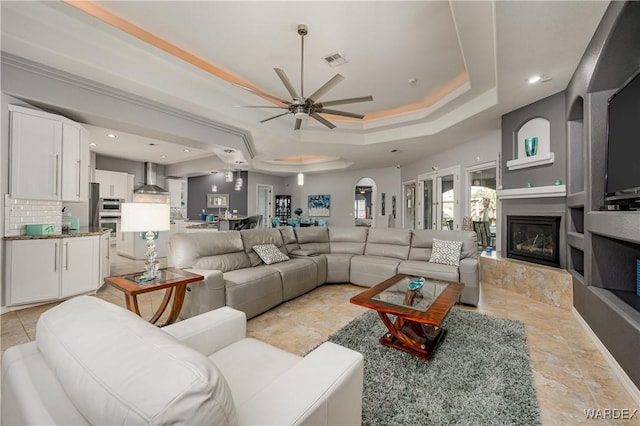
(170, 279)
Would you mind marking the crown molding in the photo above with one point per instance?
(27, 65)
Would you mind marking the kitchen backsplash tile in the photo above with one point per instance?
(18, 213)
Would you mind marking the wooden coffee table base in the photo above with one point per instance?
(418, 339)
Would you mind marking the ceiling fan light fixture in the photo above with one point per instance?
(301, 115)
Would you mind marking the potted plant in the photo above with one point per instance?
(298, 212)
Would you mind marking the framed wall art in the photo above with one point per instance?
(319, 205)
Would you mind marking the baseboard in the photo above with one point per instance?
(3, 310)
(617, 370)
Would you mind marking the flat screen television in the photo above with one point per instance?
(622, 177)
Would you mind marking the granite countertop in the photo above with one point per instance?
(82, 232)
(201, 225)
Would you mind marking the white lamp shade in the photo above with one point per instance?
(143, 217)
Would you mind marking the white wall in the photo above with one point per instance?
(465, 155)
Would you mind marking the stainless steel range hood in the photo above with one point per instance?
(150, 186)
(150, 192)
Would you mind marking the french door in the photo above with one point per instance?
(409, 204)
(439, 200)
(264, 204)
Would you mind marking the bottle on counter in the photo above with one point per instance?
(203, 216)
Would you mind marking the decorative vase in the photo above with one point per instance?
(531, 146)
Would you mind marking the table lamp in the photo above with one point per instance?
(149, 218)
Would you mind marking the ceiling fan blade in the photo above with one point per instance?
(259, 93)
(325, 88)
(298, 123)
(256, 106)
(275, 116)
(323, 120)
(287, 83)
(347, 101)
(342, 113)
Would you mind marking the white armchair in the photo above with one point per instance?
(96, 363)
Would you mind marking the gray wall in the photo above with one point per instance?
(200, 186)
(135, 168)
(608, 242)
(341, 186)
(278, 183)
(553, 109)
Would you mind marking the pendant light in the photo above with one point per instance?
(214, 188)
(228, 175)
(238, 182)
(300, 174)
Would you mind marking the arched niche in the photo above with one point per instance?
(538, 127)
(365, 193)
(575, 134)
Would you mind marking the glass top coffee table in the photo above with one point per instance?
(419, 306)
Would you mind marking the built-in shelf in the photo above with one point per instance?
(616, 224)
(536, 160)
(576, 200)
(533, 192)
(577, 276)
(576, 240)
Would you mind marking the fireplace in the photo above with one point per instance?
(534, 239)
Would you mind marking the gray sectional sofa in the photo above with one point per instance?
(236, 276)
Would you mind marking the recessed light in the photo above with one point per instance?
(153, 144)
(534, 79)
(163, 156)
(395, 150)
(413, 81)
(228, 151)
(239, 162)
(186, 150)
(93, 144)
(111, 135)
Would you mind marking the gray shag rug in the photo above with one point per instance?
(479, 375)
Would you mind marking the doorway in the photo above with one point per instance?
(482, 207)
(439, 200)
(264, 204)
(409, 204)
(365, 193)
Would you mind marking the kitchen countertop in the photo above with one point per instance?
(82, 232)
(202, 225)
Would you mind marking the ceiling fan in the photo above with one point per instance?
(302, 107)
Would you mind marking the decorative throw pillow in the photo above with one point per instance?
(446, 252)
(269, 253)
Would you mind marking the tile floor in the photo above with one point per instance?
(570, 373)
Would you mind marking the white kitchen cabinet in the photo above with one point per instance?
(39, 270)
(124, 244)
(71, 167)
(80, 265)
(177, 188)
(32, 270)
(48, 159)
(105, 257)
(112, 184)
(36, 144)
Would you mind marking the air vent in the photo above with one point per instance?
(335, 59)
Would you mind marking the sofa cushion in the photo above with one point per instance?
(422, 242)
(338, 267)
(446, 252)
(254, 237)
(435, 271)
(270, 253)
(186, 249)
(313, 238)
(298, 276)
(253, 290)
(372, 270)
(289, 238)
(223, 262)
(131, 372)
(388, 242)
(348, 240)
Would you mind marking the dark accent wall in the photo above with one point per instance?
(603, 246)
(200, 186)
(553, 109)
